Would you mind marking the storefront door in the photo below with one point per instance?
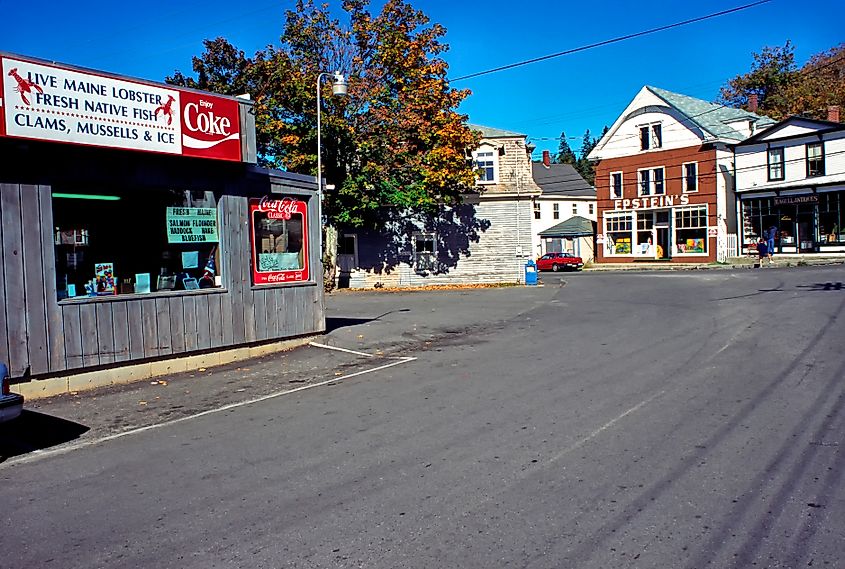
(806, 233)
(664, 246)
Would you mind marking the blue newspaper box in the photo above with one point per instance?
(530, 273)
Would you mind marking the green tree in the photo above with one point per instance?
(565, 155)
(585, 167)
(783, 89)
(397, 142)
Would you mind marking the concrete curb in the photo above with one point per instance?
(87, 380)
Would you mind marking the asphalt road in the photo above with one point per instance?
(643, 420)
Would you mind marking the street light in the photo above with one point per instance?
(339, 89)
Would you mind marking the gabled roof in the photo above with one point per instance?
(823, 128)
(709, 117)
(561, 179)
(575, 226)
(490, 132)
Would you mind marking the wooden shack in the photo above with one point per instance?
(132, 220)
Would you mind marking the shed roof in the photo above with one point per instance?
(575, 226)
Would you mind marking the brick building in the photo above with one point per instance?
(665, 181)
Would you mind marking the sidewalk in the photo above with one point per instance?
(744, 262)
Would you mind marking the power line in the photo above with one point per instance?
(611, 41)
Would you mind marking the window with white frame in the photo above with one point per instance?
(775, 163)
(690, 177)
(651, 182)
(425, 251)
(618, 228)
(556, 211)
(815, 159)
(691, 230)
(592, 209)
(575, 209)
(651, 136)
(616, 184)
(536, 210)
(485, 164)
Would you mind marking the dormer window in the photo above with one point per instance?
(485, 161)
(651, 136)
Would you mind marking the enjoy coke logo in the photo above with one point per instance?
(279, 209)
(210, 126)
(200, 118)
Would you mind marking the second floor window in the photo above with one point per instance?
(815, 159)
(536, 210)
(575, 209)
(651, 182)
(775, 161)
(691, 177)
(616, 184)
(592, 209)
(556, 211)
(486, 166)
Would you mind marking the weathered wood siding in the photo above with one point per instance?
(490, 257)
(41, 335)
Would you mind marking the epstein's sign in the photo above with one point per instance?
(48, 102)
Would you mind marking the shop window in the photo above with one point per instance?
(556, 211)
(536, 210)
(617, 233)
(830, 218)
(425, 250)
(815, 159)
(279, 240)
(645, 224)
(690, 177)
(691, 230)
(616, 184)
(134, 241)
(775, 163)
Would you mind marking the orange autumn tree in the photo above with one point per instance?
(397, 142)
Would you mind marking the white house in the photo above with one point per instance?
(564, 214)
(487, 239)
(791, 176)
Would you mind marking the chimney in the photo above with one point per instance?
(547, 161)
(833, 113)
(752, 102)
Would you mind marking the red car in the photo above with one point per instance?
(559, 261)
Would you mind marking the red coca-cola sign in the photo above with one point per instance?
(210, 127)
(279, 238)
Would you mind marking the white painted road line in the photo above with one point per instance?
(40, 454)
(337, 349)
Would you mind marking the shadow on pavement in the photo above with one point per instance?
(36, 431)
(333, 323)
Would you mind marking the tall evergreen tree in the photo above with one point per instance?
(565, 154)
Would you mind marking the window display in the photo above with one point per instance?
(121, 241)
(618, 231)
(691, 230)
(279, 240)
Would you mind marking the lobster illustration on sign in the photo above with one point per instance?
(166, 109)
(25, 86)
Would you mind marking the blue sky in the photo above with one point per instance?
(571, 93)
